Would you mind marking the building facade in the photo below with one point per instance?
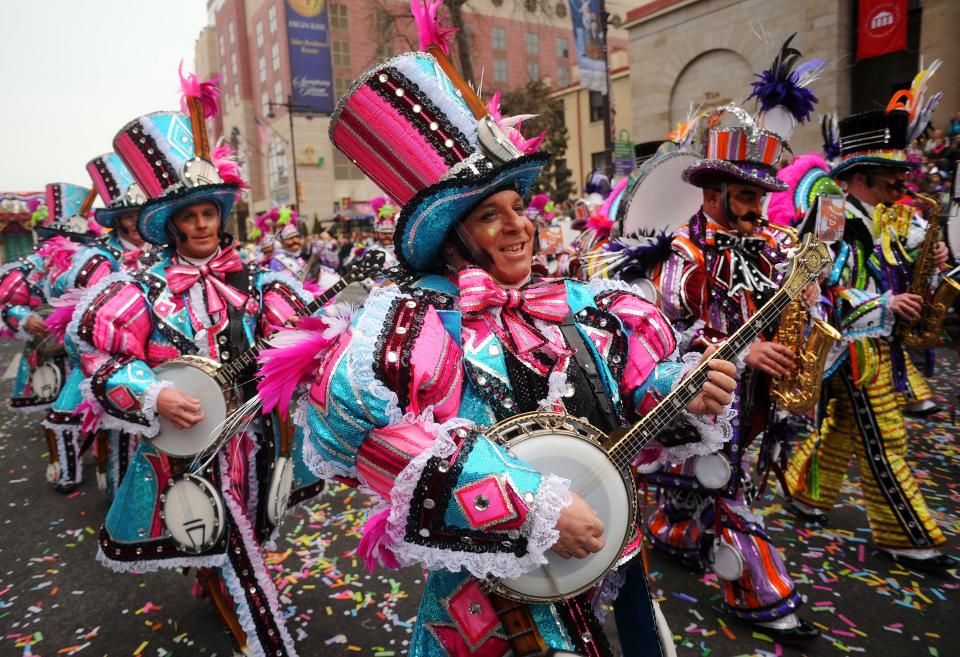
(246, 43)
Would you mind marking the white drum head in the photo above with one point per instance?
(197, 384)
(713, 471)
(192, 511)
(658, 200)
(602, 486)
(281, 483)
(45, 382)
(726, 561)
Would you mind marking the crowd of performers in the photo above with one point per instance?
(467, 325)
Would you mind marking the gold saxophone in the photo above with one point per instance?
(798, 391)
(924, 332)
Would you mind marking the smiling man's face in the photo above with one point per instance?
(502, 230)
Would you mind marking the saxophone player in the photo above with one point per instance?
(867, 288)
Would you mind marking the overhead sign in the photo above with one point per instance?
(881, 27)
(589, 35)
(308, 39)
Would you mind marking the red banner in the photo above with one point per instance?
(881, 27)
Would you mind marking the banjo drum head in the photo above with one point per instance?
(45, 382)
(713, 471)
(658, 200)
(199, 384)
(192, 511)
(726, 561)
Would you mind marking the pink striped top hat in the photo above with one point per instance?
(114, 183)
(68, 206)
(170, 159)
(420, 132)
(740, 153)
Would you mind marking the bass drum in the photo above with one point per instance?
(281, 485)
(46, 381)
(658, 200)
(192, 510)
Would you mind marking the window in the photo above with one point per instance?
(500, 70)
(277, 164)
(563, 49)
(338, 16)
(598, 161)
(344, 169)
(340, 86)
(231, 32)
(272, 17)
(221, 45)
(264, 103)
(533, 43)
(596, 106)
(341, 53)
(223, 75)
(563, 77)
(499, 38)
(278, 91)
(533, 71)
(259, 34)
(275, 54)
(236, 93)
(262, 68)
(233, 62)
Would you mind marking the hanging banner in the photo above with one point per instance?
(589, 37)
(308, 39)
(881, 27)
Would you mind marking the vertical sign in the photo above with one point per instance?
(588, 33)
(881, 27)
(308, 38)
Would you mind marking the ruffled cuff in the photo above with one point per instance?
(869, 315)
(538, 528)
(145, 423)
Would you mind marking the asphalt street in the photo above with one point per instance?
(55, 599)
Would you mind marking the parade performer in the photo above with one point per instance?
(290, 257)
(867, 290)
(24, 299)
(723, 267)
(197, 298)
(402, 395)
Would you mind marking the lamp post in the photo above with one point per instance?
(291, 108)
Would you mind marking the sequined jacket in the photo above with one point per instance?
(399, 404)
(127, 325)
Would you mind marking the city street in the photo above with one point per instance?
(55, 599)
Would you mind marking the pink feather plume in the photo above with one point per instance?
(58, 251)
(33, 204)
(430, 25)
(294, 357)
(63, 307)
(224, 158)
(600, 225)
(511, 126)
(208, 92)
(781, 208)
(374, 547)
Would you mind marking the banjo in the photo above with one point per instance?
(598, 466)
(216, 385)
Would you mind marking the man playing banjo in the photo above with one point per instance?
(399, 398)
(195, 299)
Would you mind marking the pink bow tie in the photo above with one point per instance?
(182, 277)
(131, 255)
(546, 300)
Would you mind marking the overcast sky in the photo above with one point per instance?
(73, 72)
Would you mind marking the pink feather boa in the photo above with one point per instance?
(224, 158)
(208, 92)
(57, 252)
(375, 545)
(781, 208)
(63, 308)
(430, 27)
(511, 127)
(293, 358)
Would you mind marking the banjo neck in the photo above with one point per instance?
(229, 374)
(662, 417)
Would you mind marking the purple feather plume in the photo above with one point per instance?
(642, 250)
(782, 85)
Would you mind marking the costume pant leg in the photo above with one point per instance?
(918, 390)
(817, 470)
(672, 527)
(897, 512)
(69, 441)
(633, 612)
(765, 591)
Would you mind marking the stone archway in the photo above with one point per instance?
(712, 78)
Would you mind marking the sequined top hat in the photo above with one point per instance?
(880, 138)
(68, 206)
(740, 153)
(418, 130)
(170, 158)
(116, 188)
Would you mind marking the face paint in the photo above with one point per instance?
(491, 231)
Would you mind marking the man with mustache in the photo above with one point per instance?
(723, 268)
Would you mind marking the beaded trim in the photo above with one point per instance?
(98, 386)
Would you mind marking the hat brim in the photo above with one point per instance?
(46, 232)
(427, 218)
(154, 215)
(707, 172)
(872, 162)
(107, 217)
